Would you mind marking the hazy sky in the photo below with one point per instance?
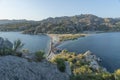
(40, 9)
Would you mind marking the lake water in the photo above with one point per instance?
(104, 45)
(31, 42)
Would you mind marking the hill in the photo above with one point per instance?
(16, 25)
(65, 24)
(76, 24)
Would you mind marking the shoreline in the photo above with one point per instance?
(55, 41)
(56, 37)
(97, 61)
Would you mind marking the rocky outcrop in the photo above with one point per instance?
(5, 43)
(94, 61)
(74, 24)
(89, 57)
(15, 68)
(68, 68)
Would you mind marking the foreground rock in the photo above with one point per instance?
(15, 68)
(4, 43)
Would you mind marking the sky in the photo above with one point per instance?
(41, 9)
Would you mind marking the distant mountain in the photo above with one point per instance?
(65, 24)
(76, 24)
(16, 25)
(6, 21)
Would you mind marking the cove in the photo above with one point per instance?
(31, 42)
(104, 45)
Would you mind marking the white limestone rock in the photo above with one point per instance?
(15, 68)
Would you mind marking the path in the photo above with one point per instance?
(53, 42)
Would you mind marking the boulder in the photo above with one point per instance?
(68, 68)
(5, 43)
(1, 42)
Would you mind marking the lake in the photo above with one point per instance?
(104, 45)
(31, 42)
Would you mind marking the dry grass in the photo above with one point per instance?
(64, 37)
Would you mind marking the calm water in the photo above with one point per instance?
(31, 42)
(104, 45)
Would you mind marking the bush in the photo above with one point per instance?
(5, 51)
(91, 76)
(60, 64)
(39, 55)
(108, 76)
(12, 51)
(80, 67)
(117, 74)
(17, 46)
(82, 70)
(19, 54)
(86, 77)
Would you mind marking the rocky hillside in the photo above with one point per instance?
(15, 68)
(72, 24)
(76, 24)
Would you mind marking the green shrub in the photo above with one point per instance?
(108, 76)
(12, 51)
(5, 51)
(87, 77)
(60, 64)
(17, 45)
(117, 74)
(82, 70)
(39, 55)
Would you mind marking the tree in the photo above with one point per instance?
(16, 47)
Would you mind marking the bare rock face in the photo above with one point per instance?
(15, 68)
(68, 69)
